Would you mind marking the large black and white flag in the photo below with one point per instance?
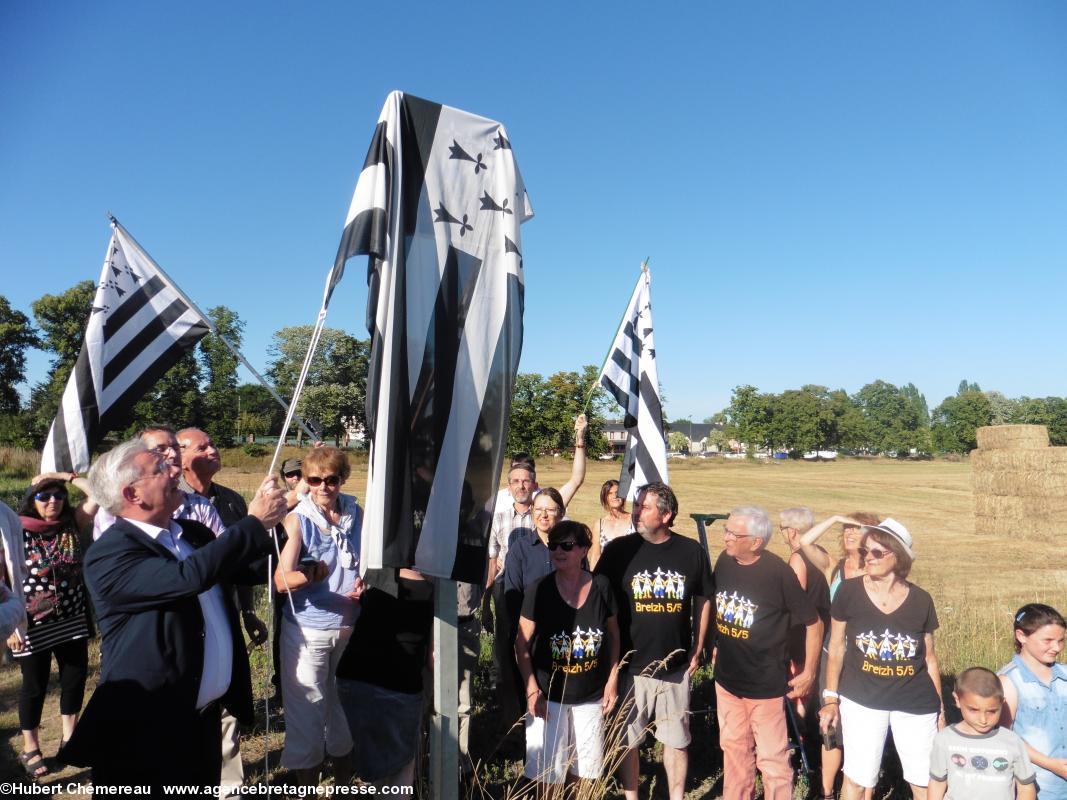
(140, 325)
(630, 376)
(437, 208)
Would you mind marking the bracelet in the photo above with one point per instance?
(579, 447)
(830, 702)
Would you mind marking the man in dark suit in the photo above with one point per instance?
(172, 654)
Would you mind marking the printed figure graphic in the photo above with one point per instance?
(886, 646)
(738, 610)
(662, 585)
(578, 646)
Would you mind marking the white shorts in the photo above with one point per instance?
(863, 732)
(571, 740)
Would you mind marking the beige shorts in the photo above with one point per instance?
(663, 702)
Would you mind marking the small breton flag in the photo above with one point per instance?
(140, 325)
(630, 376)
(437, 207)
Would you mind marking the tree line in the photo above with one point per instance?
(879, 418)
(202, 389)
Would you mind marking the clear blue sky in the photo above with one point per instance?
(828, 192)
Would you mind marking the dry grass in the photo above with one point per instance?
(977, 580)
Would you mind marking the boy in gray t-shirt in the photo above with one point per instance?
(976, 759)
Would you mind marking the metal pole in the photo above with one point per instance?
(444, 737)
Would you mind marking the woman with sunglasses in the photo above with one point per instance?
(57, 609)
(848, 565)
(319, 567)
(567, 650)
(883, 671)
(617, 522)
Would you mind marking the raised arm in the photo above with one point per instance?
(570, 488)
(819, 557)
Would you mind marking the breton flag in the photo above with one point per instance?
(140, 325)
(630, 376)
(437, 208)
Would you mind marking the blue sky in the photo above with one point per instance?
(829, 192)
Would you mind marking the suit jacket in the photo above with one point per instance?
(152, 638)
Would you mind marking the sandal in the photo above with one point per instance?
(34, 764)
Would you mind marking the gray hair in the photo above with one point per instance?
(758, 525)
(113, 472)
(801, 518)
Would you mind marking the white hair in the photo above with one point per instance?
(113, 472)
(801, 518)
(758, 523)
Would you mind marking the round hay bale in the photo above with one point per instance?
(1012, 437)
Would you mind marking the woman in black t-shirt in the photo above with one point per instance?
(883, 671)
(568, 651)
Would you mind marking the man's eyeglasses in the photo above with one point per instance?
(44, 497)
(874, 553)
(333, 481)
(729, 534)
(567, 546)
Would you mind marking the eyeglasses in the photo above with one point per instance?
(44, 497)
(567, 546)
(874, 553)
(546, 512)
(295, 474)
(729, 534)
(333, 481)
(164, 448)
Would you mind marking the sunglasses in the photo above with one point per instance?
(332, 481)
(295, 474)
(44, 497)
(567, 546)
(874, 553)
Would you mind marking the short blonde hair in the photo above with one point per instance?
(329, 460)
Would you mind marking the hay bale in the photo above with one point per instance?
(1051, 460)
(1012, 437)
(1020, 483)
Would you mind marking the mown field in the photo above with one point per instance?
(977, 581)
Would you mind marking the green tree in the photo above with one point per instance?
(1048, 411)
(1003, 410)
(849, 424)
(254, 398)
(543, 413)
(16, 334)
(220, 372)
(747, 417)
(967, 386)
(337, 373)
(795, 421)
(894, 421)
(61, 319)
(918, 401)
(957, 419)
(677, 442)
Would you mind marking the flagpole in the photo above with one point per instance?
(622, 321)
(210, 324)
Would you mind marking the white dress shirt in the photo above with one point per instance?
(218, 646)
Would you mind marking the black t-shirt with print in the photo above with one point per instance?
(568, 659)
(654, 586)
(755, 606)
(885, 654)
